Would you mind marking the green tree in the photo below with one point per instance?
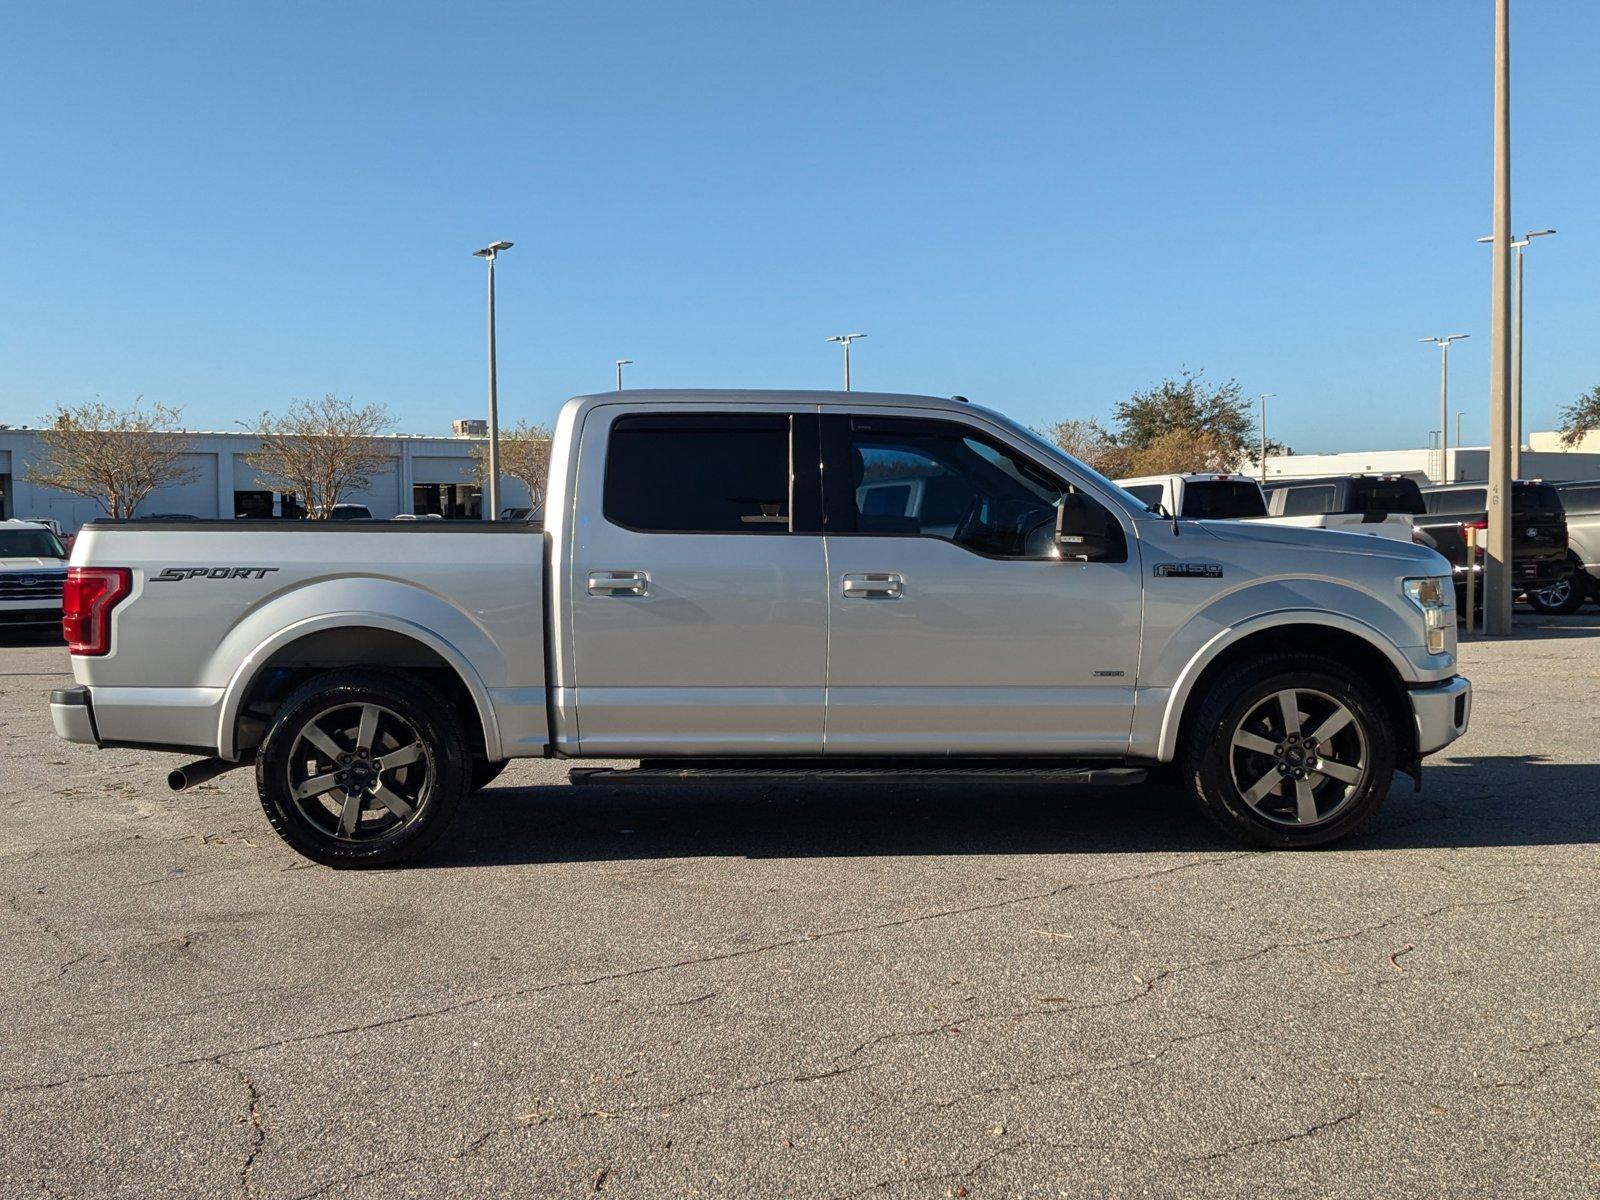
(1581, 417)
(1187, 405)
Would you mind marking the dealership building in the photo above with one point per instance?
(425, 475)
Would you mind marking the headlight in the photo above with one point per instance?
(1436, 598)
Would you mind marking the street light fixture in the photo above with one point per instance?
(844, 339)
(1265, 396)
(488, 254)
(1516, 349)
(1444, 399)
(622, 362)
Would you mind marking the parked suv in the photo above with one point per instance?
(33, 568)
(1581, 502)
(1385, 505)
(1538, 530)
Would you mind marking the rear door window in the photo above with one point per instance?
(699, 474)
(1465, 500)
(1308, 501)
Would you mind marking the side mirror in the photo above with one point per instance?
(1082, 529)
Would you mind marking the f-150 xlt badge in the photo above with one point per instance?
(180, 574)
(1190, 570)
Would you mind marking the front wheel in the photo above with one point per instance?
(1290, 751)
(363, 768)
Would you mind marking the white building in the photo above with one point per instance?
(1544, 457)
(426, 475)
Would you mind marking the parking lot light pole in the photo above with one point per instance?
(1519, 246)
(1444, 399)
(488, 254)
(844, 339)
(1497, 581)
(622, 362)
(1265, 396)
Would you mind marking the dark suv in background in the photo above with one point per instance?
(1581, 501)
(1538, 531)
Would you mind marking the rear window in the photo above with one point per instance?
(1539, 498)
(1386, 496)
(699, 474)
(1466, 500)
(1222, 499)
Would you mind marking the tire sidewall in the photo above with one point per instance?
(437, 726)
(1209, 766)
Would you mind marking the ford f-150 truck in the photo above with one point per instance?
(718, 591)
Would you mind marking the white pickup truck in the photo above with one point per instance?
(719, 590)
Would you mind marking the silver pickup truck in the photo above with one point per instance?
(801, 584)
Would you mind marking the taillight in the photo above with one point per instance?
(86, 603)
(1473, 532)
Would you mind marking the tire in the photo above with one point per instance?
(1241, 743)
(315, 745)
(485, 772)
(1563, 597)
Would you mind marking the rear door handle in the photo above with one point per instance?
(618, 583)
(874, 585)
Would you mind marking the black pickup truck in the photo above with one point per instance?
(1538, 530)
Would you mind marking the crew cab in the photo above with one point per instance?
(1216, 497)
(1538, 531)
(1382, 505)
(716, 592)
(33, 570)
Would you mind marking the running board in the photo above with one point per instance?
(767, 775)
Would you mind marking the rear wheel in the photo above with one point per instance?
(363, 768)
(1290, 751)
(1565, 595)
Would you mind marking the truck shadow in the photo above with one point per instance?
(1505, 801)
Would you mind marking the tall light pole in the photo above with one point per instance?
(1444, 398)
(622, 362)
(1516, 349)
(1265, 396)
(1497, 567)
(488, 254)
(1459, 415)
(844, 339)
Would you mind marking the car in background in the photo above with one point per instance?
(33, 571)
(1383, 505)
(531, 516)
(1538, 531)
(167, 517)
(1580, 500)
(350, 512)
(1202, 497)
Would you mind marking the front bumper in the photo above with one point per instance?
(72, 715)
(1441, 712)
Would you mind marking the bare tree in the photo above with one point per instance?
(524, 455)
(115, 457)
(1091, 444)
(321, 450)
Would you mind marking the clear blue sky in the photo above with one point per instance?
(1042, 206)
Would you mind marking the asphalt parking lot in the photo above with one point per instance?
(824, 993)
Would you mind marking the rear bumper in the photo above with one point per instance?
(148, 718)
(1441, 712)
(73, 716)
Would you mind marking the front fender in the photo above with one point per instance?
(354, 603)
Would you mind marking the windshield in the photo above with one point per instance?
(1222, 499)
(30, 543)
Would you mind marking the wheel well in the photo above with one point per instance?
(327, 649)
(1348, 649)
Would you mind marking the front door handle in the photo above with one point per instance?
(618, 583)
(875, 585)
